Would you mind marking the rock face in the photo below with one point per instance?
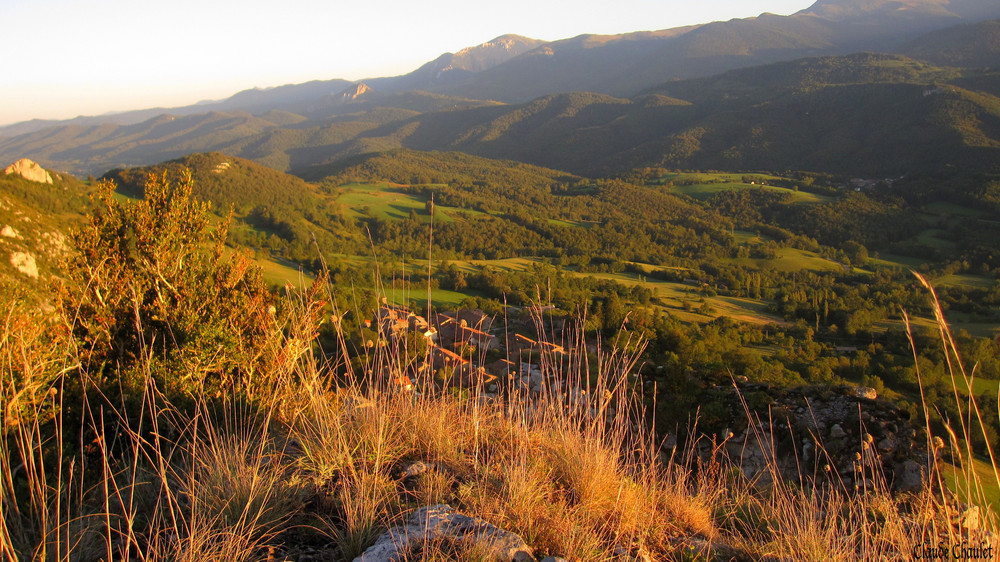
(354, 92)
(28, 170)
(441, 523)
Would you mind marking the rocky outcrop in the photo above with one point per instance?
(354, 92)
(28, 170)
(838, 436)
(25, 263)
(441, 523)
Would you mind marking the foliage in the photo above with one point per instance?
(150, 287)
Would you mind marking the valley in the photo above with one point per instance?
(646, 253)
(725, 291)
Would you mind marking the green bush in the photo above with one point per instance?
(152, 292)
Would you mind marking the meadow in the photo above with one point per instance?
(703, 185)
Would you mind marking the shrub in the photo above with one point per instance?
(152, 292)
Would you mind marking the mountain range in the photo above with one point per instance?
(600, 104)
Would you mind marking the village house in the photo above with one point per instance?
(475, 319)
(449, 337)
(520, 344)
(394, 321)
(455, 333)
(442, 357)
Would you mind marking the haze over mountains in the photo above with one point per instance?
(653, 98)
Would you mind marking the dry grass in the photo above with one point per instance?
(310, 463)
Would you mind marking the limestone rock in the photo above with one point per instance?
(354, 92)
(441, 522)
(865, 392)
(970, 519)
(821, 432)
(837, 432)
(909, 476)
(25, 263)
(29, 170)
(416, 468)
(629, 555)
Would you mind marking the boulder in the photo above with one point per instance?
(28, 170)
(9, 232)
(837, 432)
(415, 469)
(817, 434)
(865, 393)
(970, 520)
(442, 523)
(25, 263)
(909, 476)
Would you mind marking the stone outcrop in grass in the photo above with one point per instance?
(28, 170)
(442, 527)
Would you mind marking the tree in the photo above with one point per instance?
(856, 253)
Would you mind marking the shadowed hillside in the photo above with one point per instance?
(865, 114)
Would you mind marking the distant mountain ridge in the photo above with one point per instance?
(453, 67)
(512, 68)
(974, 45)
(637, 112)
(865, 114)
(623, 65)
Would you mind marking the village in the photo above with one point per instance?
(470, 349)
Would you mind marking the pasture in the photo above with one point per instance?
(392, 202)
(704, 185)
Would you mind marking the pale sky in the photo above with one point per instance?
(65, 58)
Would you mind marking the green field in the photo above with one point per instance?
(569, 223)
(954, 476)
(687, 303)
(419, 297)
(971, 281)
(283, 273)
(943, 209)
(931, 238)
(390, 202)
(279, 273)
(703, 186)
(792, 259)
(980, 386)
(894, 261)
(682, 300)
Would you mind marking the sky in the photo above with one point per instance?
(66, 58)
